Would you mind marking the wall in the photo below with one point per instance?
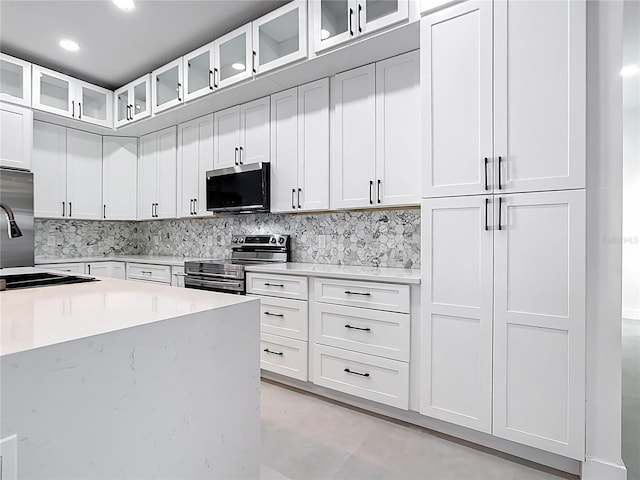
(388, 238)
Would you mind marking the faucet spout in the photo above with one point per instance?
(13, 229)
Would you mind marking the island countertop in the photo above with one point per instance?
(36, 317)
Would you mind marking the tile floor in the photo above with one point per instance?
(306, 437)
(631, 397)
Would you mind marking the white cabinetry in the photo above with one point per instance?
(133, 101)
(144, 272)
(16, 136)
(119, 178)
(177, 277)
(376, 150)
(195, 158)
(157, 175)
(336, 21)
(69, 97)
(241, 134)
(72, 267)
(167, 86)
(283, 322)
(495, 119)
(233, 56)
(280, 37)
(199, 74)
(15, 80)
(300, 148)
(67, 166)
(106, 269)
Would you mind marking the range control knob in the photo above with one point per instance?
(273, 240)
(235, 240)
(241, 240)
(281, 240)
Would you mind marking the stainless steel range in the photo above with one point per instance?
(228, 275)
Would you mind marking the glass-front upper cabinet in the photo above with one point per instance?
(233, 57)
(15, 80)
(336, 21)
(132, 102)
(94, 104)
(53, 92)
(199, 72)
(280, 37)
(167, 87)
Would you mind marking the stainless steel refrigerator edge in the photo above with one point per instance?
(17, 242)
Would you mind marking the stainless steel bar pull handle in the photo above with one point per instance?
(212, 80)
(358, 328)
(371, 192)
(356, 373)
(104, 211)
(63, 209)
(274, 314)
(253, 62)
(79, 110)
(351, 22)
(272, 352)
(73, 108)
(179, 92)
(273, 285)
(500, 213)
(360, 18)
(215, 77)
(195, 206)
(240, 156)
(486, 214)
(299, 191)
(348, 292)
(486, 179)
(499, 173)
(379, 185)
(293, 194)
(69, 208)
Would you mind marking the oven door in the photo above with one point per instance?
(240, 189)
(224, 285)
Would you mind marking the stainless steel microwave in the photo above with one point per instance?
(239, 189)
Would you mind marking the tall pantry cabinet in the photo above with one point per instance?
(503, 218)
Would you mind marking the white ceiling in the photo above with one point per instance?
(116, 46)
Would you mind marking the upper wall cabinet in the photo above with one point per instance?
(233, 57)
(157, 175)
(280, 37)
(133, 101)
(495, 119)
(167, 86)
(15, 80)
(199, 72)
(16, 132)
(69, 97)
(119, 177)
(337, 21)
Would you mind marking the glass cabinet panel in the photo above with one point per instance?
(54, 92)
(198, 76)
(233, 57)
(94, 104)
(122, 106)
(377, 9)
(167, 88)
(140, 100)
(380, 14)
(15, 80)
(334, 18)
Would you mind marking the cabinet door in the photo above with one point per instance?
(166, 186)
(99, 269)
(141, 95)
(53, 92)
(280, 37)
(313, 145)
(167, 86)
(122, 105)
(398, 162)
(49, 165)
(332, 23)
(177, 277)
(539, 320)
(539, 83)
(84, 175)
(195, 158)
(15, 80)
(226, 124)
(94, 104)
(284, 151)
(16, 132)
(373, 15)
(254, 132)
(353, 169)
(233, 57)
(119, 177)
(198, 72)
(456, 338)
(118, 270)
(147, 177)
(456, 46)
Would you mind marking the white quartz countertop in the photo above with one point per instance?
(350, 272)
(36, 317)
(148, 259)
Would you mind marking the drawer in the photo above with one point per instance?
(286, 286)
(380, 296)
(374, 378)
(149, 273)
(284, 356)
(374, 332)
(285, 317)
(64, 267)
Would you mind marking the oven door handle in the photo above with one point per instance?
(192, 274)
(212, 283)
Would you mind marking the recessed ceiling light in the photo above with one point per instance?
(238, 66)
(126, 5)
(630, 70)
(69, 45)
(324, 34)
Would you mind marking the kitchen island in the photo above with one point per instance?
(118, 379)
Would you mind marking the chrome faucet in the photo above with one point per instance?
(14, 230)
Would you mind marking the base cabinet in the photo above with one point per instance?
(71, 267)
(106, 269)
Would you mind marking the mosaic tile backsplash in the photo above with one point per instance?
(389, 238)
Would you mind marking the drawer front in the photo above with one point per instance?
(149, 273)
(374, 332)
(374, 378)
(284, 356)
(64, 267)
(380, 296)
(286, 286)
(285, 317)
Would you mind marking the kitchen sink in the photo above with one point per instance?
(40, 279)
